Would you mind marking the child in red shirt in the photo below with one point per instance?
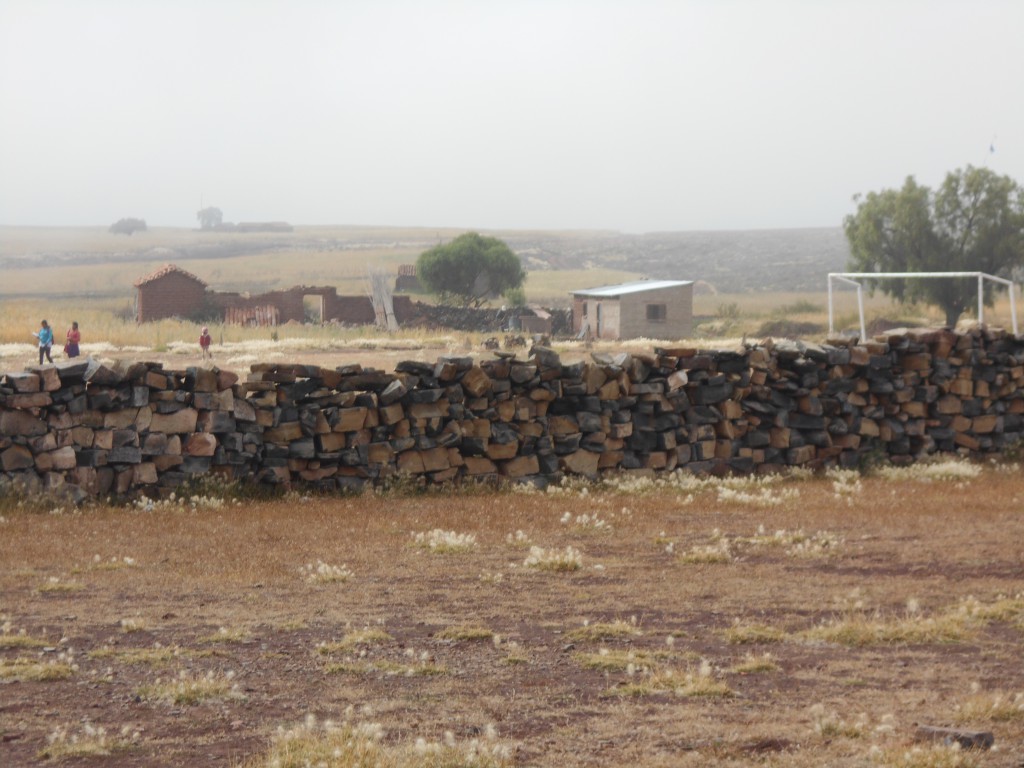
(204, 342)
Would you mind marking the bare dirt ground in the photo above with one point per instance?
(686, 636)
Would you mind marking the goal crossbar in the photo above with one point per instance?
(854, 278)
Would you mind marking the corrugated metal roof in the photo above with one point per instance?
(166, 269)
(610, 291)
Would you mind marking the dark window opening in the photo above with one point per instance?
(656, 313)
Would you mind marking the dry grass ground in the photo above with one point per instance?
(839, 612)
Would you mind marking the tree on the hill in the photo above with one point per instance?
(470, 270)
(974, 222)
(127, 226)
(210, 217)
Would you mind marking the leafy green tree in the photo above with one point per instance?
(470, 270)
(974, 222)
(127, 226)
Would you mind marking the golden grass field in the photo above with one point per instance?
(798, 622)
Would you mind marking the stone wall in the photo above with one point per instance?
(129, 428)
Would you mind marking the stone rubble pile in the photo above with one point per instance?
(137, 428)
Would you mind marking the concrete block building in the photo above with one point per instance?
(654, 309)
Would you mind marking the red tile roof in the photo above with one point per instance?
(166, 269)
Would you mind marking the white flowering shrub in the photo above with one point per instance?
(440, 541)
(945, 469)
(585, 522)
(568, 559)
(323, 573)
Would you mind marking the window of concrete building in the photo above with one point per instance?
(656, 313)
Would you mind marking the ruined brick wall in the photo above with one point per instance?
(172, 295)
(138, 428)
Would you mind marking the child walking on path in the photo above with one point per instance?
(74, 337)
(204, 342)
(45, 337)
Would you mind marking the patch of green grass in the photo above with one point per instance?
(188, 689)
(753, 634)
(22, 641)
(33, 670)
(355, 639)
(751, 664)
(856, 630)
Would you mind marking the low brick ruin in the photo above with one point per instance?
(138, 428)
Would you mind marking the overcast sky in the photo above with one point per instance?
(635, 116)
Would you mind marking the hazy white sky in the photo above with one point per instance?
(636, 116)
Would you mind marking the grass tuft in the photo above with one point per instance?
(192, 689)
(604, 631)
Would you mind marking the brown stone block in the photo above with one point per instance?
(283, 433)
(506, 410)
(521, 466)
(966, 441)
(83, 436)
(121, 419)
(178, 422)
(350, 419)
(331, 442)
(580, 463)
(915, 409)
(962, 387)
(983, 425)
(869, 428)
(478, 465)
(410, 463)
(226, 379)
(501, 451)
(24, 382)
(63, 458)
(476, 382)
(200, 444)
(165, 462)
(28, 400)
(17, 457)
(144, 474)
(21, 424)
(391, 414)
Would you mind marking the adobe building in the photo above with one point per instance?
(169, 292)
(653, 309)
(173, 292)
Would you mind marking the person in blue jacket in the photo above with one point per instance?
(45, 337)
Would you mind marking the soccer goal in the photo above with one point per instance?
(854, 278)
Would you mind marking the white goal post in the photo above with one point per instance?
(853, 278)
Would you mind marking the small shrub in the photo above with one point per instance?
(192, 689)
(355, 639)
(445, 542)
(88, 741)
(568, 559)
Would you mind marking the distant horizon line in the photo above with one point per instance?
(423, 227)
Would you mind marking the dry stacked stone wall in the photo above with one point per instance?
(128, 428)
